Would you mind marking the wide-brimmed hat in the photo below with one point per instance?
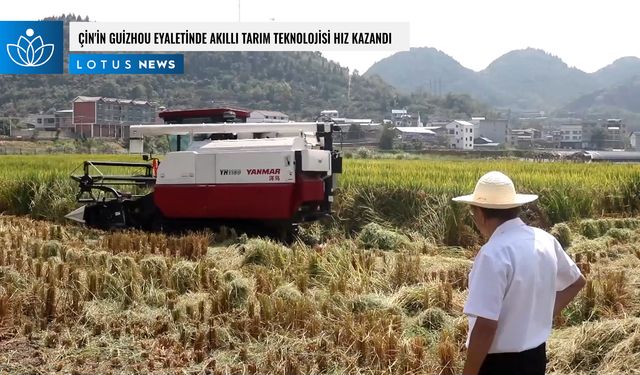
(496, 190)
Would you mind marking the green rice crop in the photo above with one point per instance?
(39, 185)
(414, 195)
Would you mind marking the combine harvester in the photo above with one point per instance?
(260, 178)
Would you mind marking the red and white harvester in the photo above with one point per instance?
(262, 178)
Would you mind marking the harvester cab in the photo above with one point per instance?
(262, 178)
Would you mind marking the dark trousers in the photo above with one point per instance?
(529, 362)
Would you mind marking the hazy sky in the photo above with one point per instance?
(585, 34)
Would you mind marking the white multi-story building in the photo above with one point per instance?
(460, 135)
(400, 117)
(55, 121)
(571, 135)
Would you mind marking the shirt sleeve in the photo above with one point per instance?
(487, 286)
(568, 272)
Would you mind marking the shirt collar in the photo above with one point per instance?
(506, 226)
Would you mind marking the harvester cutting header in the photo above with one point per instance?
(259, 177)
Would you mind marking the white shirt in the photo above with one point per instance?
(514, 280)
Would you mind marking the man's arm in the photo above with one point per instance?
(480, 341)
(565, 296)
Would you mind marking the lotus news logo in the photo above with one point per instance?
(31, 47)
(30, 52)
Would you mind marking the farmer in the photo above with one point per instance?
(520, 279)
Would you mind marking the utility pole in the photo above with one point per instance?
(238, 10)
(349, 88)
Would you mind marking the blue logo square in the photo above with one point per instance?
(31, 47)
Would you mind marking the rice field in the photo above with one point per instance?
(84, 302)
(379, 290)
(413, 194)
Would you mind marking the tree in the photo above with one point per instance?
(442, 140)
(138, 92)
(386, 138)
(598, 138)
(355, 132)
(109, 89)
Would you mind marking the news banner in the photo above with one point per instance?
(37, 47)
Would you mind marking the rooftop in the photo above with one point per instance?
(610, 155)
(202, 112)
(270, 113)
(492, 144)
(464, 123)
(91, 99)
(414, 130)
(483, 140)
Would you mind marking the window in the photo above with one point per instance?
(39, 121)
(450, 131)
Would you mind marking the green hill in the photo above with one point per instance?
(429, 70)
(532, 78)
(622, 97)
(618, 72)
(521, 79)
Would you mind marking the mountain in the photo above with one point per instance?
(532, 78)
(426, 69)
(622, 97)
(521, 79)
(619, 71)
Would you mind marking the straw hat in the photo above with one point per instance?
(496, 190)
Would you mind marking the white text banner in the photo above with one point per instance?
(237, 36)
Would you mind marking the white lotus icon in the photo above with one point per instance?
(30, 52)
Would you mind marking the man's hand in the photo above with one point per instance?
(480, 341)
(564, 297)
